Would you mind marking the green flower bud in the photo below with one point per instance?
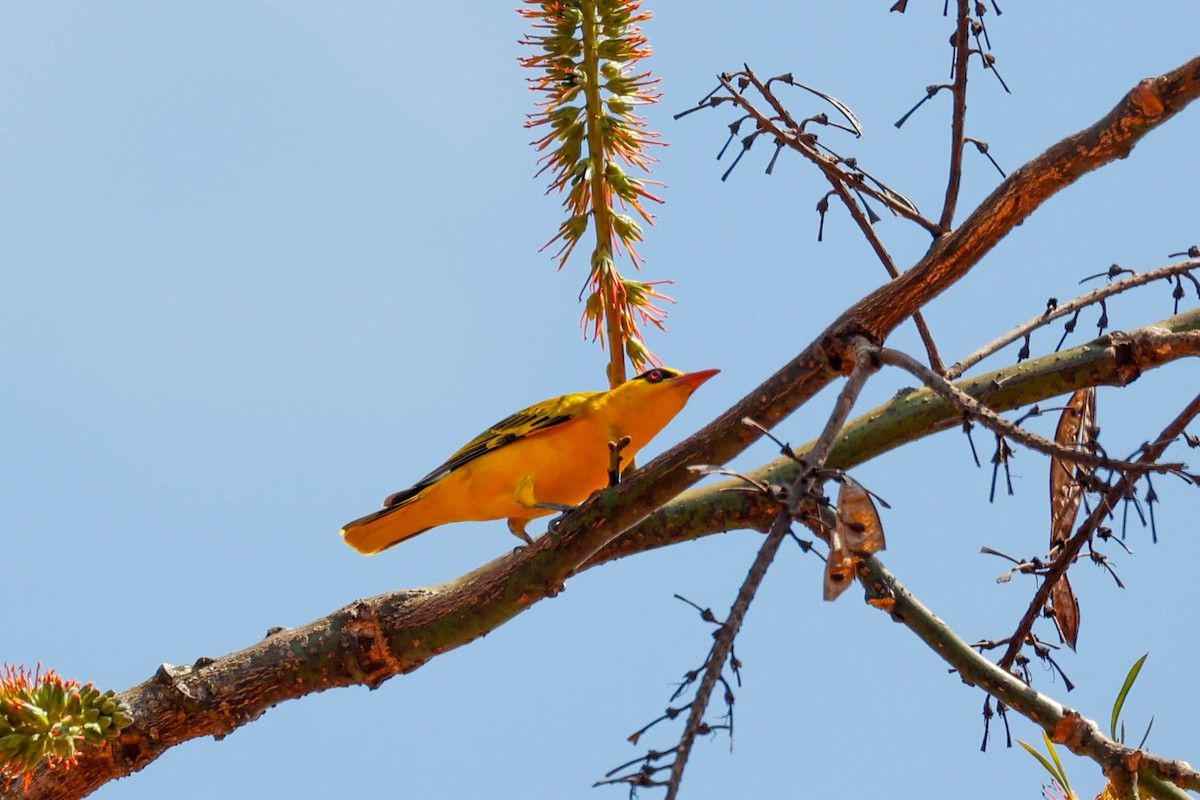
(30, 714)
(63, 746)
(619, 104)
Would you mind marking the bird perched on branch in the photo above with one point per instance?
(548, 457)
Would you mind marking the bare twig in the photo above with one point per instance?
(868, 231)
(614, 459)
(805, 144)
(983, 149)
(838, 180)
(1003, 427)
(722, 646)
(864, 366)
(958, 119)
(1070, 549)
(1062, 310)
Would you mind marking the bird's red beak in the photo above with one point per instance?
(694, 379)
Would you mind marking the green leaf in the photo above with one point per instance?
(1062, 773)
(1045, 763)
(1056, 769)
(1120, 701)
(1146, 735)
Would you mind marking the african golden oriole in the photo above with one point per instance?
(547, 457)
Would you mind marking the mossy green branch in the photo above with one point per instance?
(1162, 777)
(1112, 360)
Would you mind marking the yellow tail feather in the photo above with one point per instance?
(379, 531)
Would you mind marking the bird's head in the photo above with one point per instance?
(642, 406)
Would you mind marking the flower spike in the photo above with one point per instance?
(590, 136)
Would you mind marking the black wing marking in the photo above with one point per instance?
(506, 431)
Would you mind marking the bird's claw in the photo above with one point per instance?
(563, 507)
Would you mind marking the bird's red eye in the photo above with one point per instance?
(655, 375)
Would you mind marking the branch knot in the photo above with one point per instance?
(1145, 98)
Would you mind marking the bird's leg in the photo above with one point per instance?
(524, 496)
(517, 528)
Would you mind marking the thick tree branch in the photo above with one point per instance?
(374, 639)
(1107, 361)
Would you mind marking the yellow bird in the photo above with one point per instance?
(548, 457)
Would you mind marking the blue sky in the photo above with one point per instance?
(267, 262)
